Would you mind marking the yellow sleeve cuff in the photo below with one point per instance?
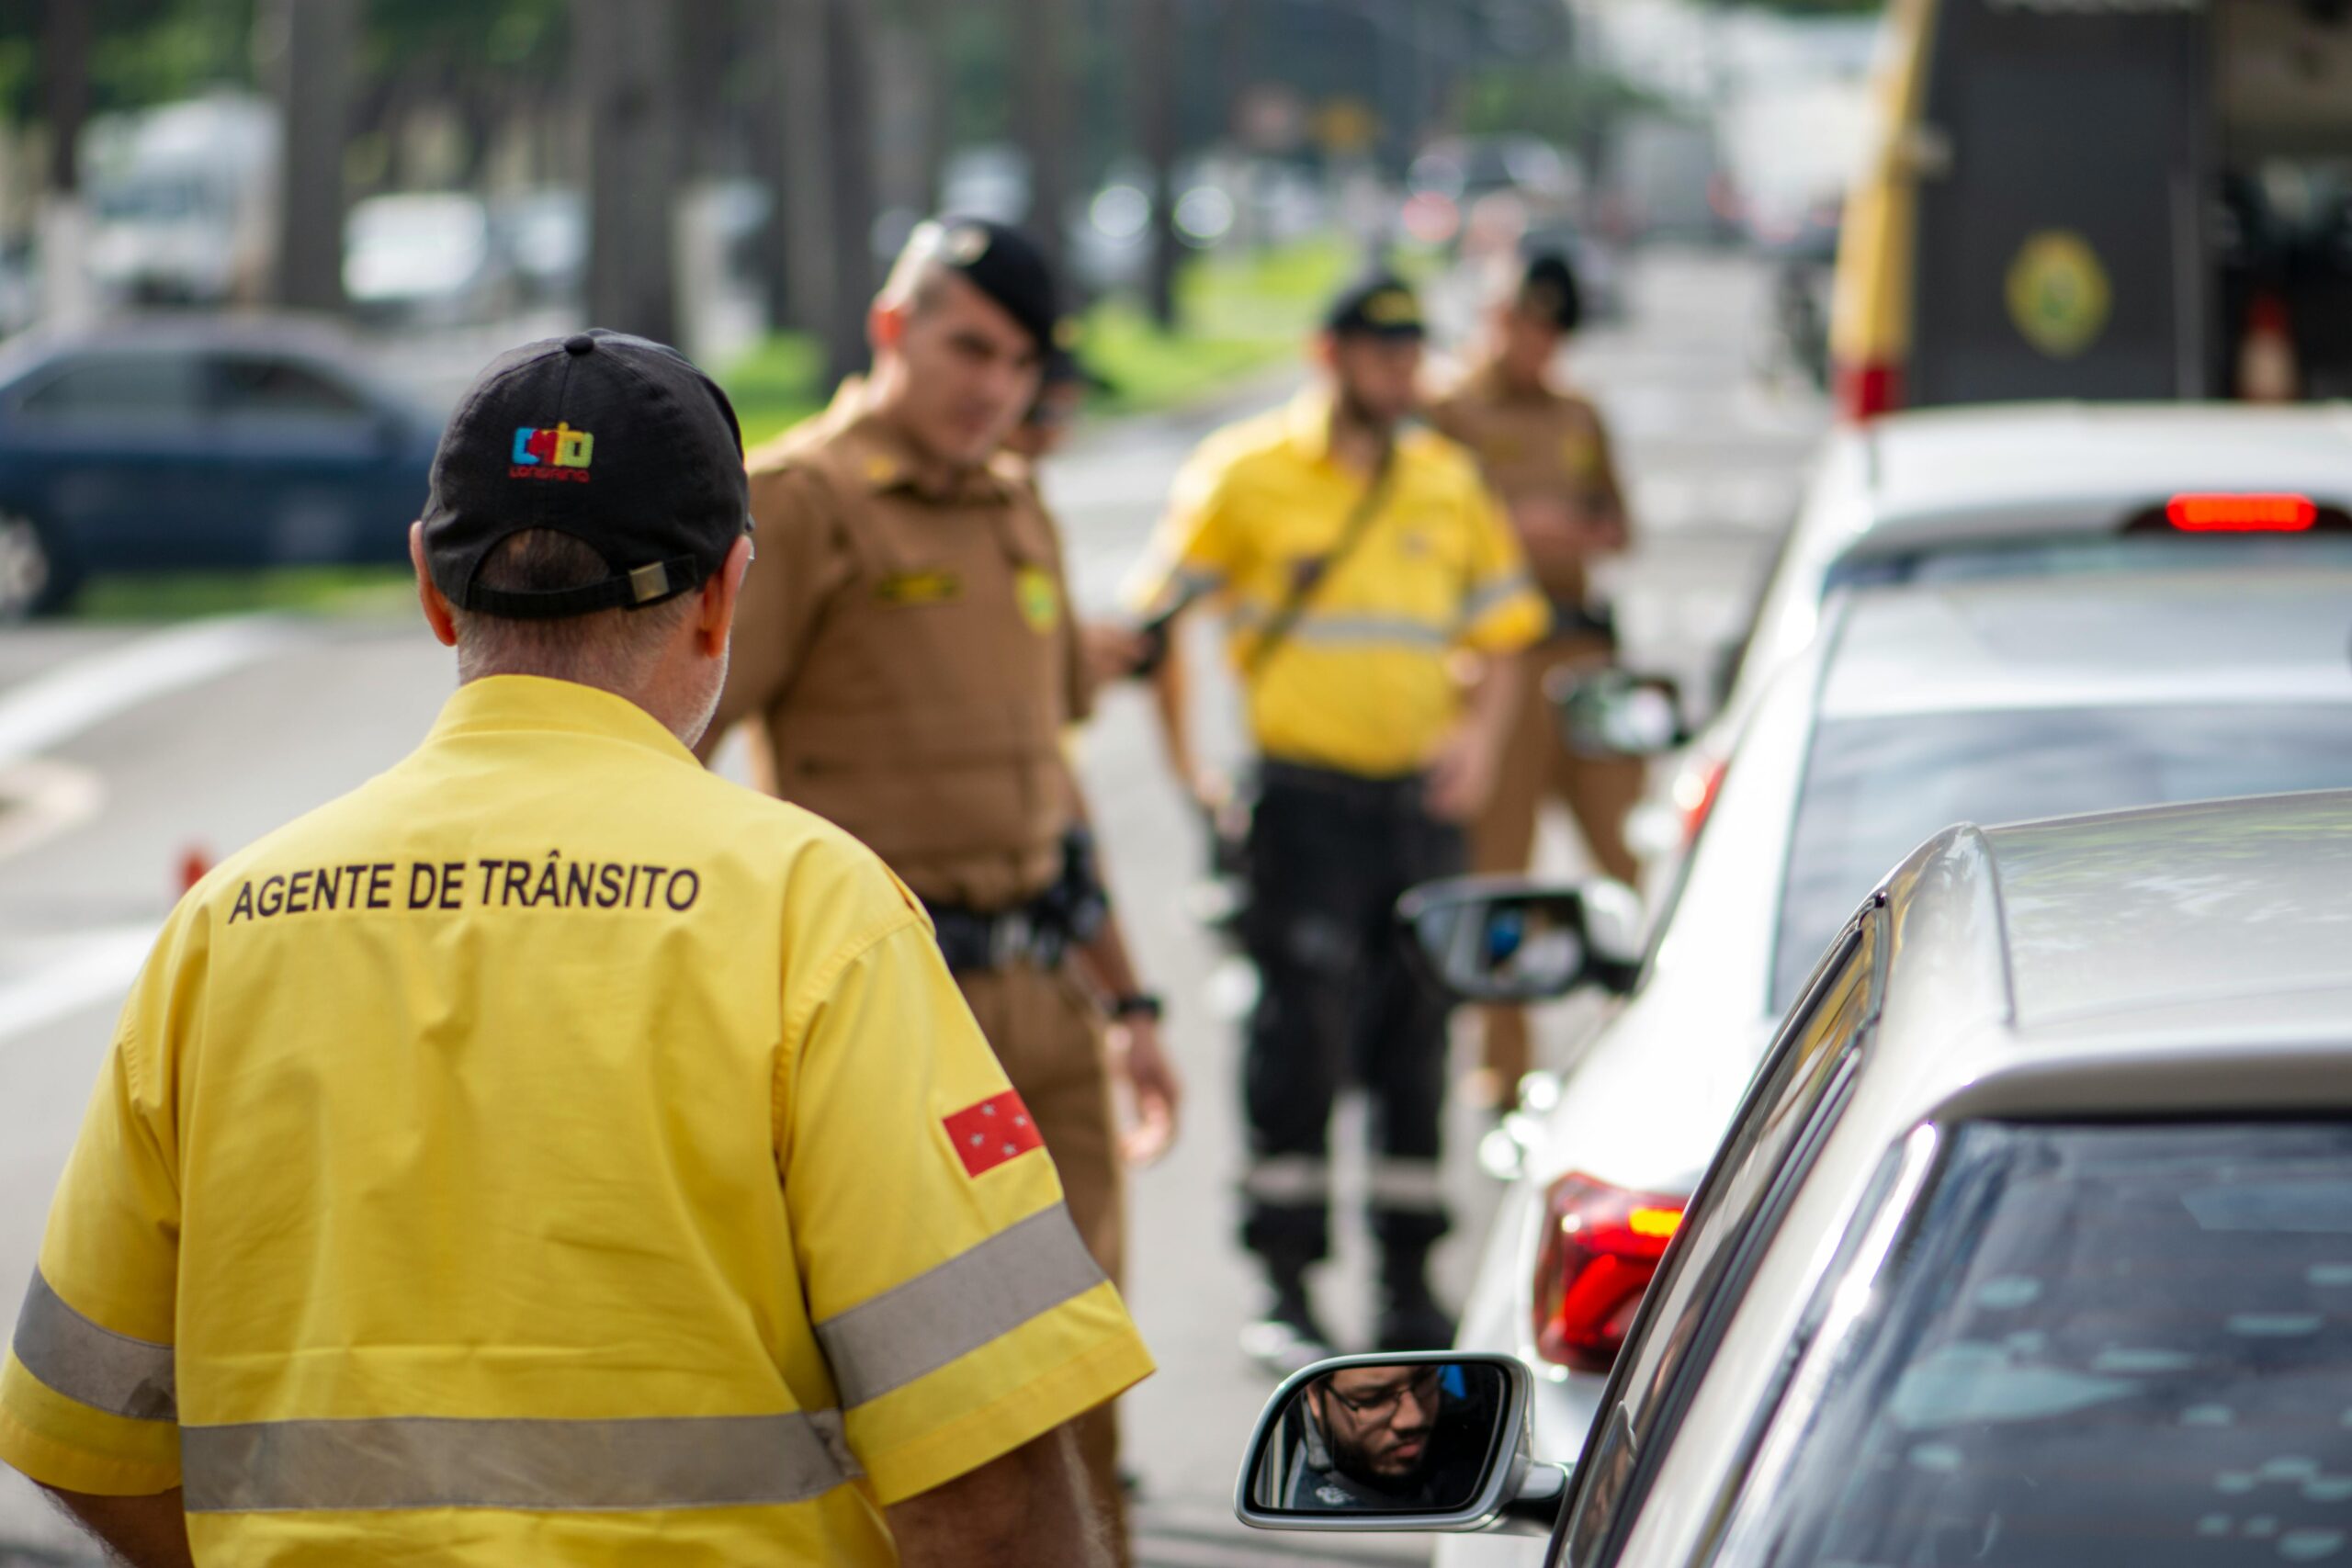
(1516, 622)
(1000, 1397)
(62, 1443)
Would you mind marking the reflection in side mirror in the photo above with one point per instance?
(1435, 1441)
(1615, 713)
(1509, 939)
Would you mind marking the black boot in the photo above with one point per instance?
(1410, 1317)
(1288, 1337)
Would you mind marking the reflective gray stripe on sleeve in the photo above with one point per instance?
(427, 1462)
(91, 1364)
(982, 1293)
(1482, 600)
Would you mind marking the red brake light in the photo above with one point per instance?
(1694, 791)
(1869, 390)
(1600, 1246)
(2241, 514)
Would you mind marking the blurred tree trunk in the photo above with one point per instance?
(849, 149)
(772, 161)
(1041, 119)
(311, 51)
(1157, 62)
(625, 54)
(64, 64)
(929, 22)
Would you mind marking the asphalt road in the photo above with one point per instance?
(124, 749)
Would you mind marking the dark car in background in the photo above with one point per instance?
(165, 444)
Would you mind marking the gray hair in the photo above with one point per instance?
(616, 650)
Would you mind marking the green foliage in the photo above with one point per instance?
(1561, 103)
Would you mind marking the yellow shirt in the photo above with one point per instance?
(1366, 680)
(551, 1153)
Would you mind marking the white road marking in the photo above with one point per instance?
(78, 972)
(60, 704)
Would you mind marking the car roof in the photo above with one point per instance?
(2252, 633)
(1999, 470)
(188, 331)
(2176, 960)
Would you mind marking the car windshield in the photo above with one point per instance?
(1875, 788)
(2126, 1343)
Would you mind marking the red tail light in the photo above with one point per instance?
(2241, 514)
(1599, 1246)
(1869, 390)
(1694, 791)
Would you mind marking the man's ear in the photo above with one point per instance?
(885, 326)
(429, 597)
(715, 617)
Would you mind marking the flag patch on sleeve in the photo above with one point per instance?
(994, 1131)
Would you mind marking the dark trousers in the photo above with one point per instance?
(1329, 854)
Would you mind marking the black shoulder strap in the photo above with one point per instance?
(1310, 576)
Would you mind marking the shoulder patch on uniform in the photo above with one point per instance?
(996, 1129)
(1040, 598)
(907, 588)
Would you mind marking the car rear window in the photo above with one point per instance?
(2126, 1344)
(2094, 556)
(1875, 788)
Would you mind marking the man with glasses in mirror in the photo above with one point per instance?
(1388, 1439)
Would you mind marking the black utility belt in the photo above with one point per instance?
(1391, 793)
(973, 939)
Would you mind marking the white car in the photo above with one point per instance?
(2025, 489)
(2030, 1244)
(1920, 706)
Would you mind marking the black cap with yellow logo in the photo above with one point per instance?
(1378, 304)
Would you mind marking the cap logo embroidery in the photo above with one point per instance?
(1392, 308)
(561, 453)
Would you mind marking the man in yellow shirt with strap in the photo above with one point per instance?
(1377, 606)
(549, 1152)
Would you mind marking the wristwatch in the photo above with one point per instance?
(1137, 1004)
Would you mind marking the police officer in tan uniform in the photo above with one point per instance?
(1545, 452)
(910, 649)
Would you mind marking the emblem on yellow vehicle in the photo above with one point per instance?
(2058, 291)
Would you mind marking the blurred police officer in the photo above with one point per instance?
(1545, 452)
(551, 1153)
(911, 648)
(1359, 562)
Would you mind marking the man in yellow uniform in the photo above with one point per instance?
(1364, 566)
(915, 664)
(551, 1153)
(1547, 454)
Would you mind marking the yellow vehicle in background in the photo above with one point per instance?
(2101, 199)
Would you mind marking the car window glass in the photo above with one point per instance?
(1796, 1074)
(1875, 788)
(261, 386)
(118, 386)
(2175, 1296)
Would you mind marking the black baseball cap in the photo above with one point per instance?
(1377, 304)
(617, 441)
(1003, 263)
(1548, 291)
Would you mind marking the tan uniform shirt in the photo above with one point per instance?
(913, 655)
(1532, 444)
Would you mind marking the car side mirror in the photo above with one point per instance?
(1437, 1441)
(1616, 713)
(1513, 939)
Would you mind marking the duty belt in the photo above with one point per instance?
(975, 939)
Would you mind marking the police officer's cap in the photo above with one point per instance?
(615, 440)
(1005, 265)
(1378, 304)
(1548, 291)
